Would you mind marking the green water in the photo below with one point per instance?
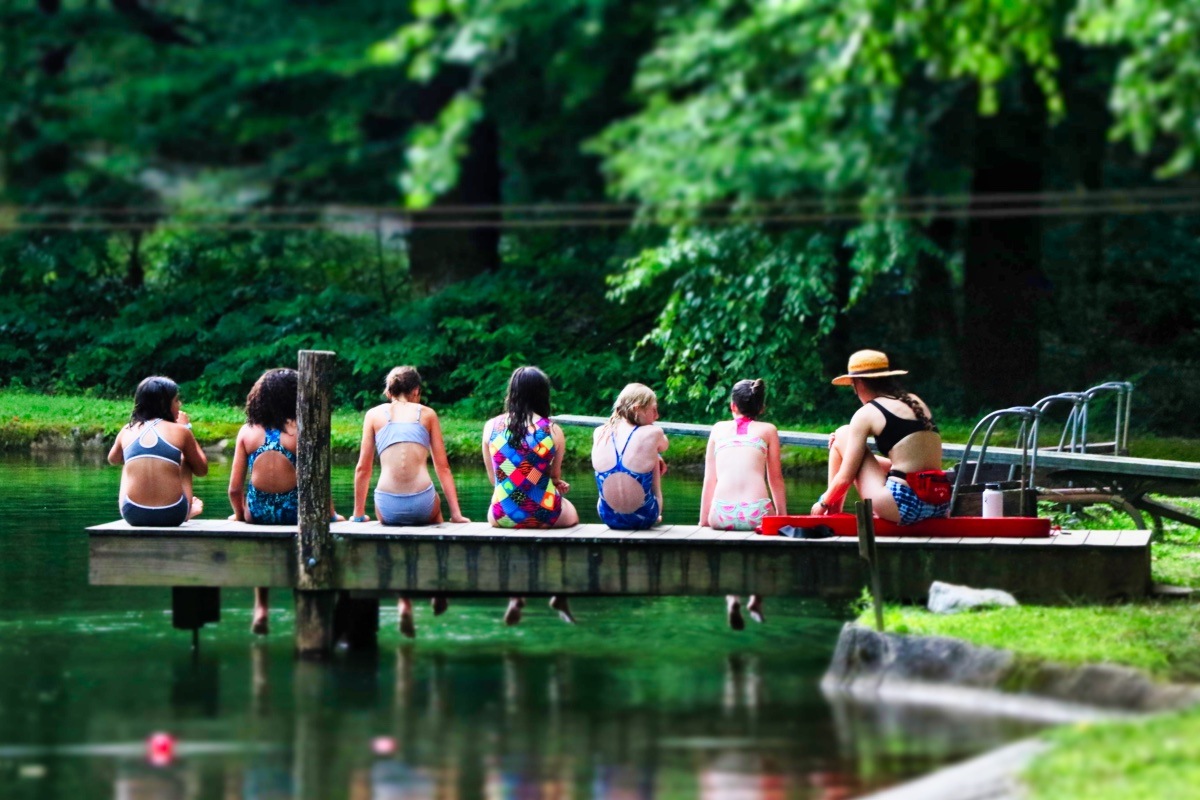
(644, 698)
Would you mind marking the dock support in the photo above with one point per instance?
(868, 552)
(315, 568)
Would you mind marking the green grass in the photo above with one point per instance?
(1143, 759)
(1162, 639)
(26, 417)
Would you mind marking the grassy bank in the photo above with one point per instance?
(1160, 637)
(1144, 758)
(29, 419)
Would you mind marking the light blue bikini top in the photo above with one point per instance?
(397, 432)
(160, 449)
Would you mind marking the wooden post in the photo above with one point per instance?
(867, 551)
(315, 568)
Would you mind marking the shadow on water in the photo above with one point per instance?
(645, 698)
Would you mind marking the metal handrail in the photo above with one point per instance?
(1026, 437)
(1071, 425)
(1124, 392)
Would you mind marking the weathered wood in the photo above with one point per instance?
(476, 560)
(315, 568)
(314, 623)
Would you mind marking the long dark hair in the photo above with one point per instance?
(890, 387)
(153, 399)
(528, 395)
(272, 399)
(749, 397)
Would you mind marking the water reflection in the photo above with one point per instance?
(647, 698)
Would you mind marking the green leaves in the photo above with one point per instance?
(436, 150)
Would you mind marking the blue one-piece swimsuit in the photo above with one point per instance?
(272, 508)
(646, 516)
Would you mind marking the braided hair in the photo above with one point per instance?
(890, 387)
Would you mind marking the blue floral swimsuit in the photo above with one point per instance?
(272, 508)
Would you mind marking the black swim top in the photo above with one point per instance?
(896, 428)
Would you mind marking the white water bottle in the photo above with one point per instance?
(993, 501)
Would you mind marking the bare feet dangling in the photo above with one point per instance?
(733, 611)
(439, 604)
(754, 606)
(408, 628)
(258, 624)
(512, 615)
(559, 604)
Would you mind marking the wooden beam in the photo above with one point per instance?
(315, 553)
(474, 560)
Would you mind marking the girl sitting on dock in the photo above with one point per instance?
(160, 455)
(735, 496)
(628, 475)
(265, 457)
(523, 454)
(404, 433)
(905, 482)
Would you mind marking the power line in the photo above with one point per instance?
(1116, 209)
(1138, 194)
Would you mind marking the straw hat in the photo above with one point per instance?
(867, 364)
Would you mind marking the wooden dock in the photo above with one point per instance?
(475, 559)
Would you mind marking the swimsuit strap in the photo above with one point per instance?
(743, 425)
(621, 455)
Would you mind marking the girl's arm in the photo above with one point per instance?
(237, 477)
(853, 447)
(116, 456)
(487, 451)
(560, 447)
(441, 465)
(363, 469)
(192, 454)
(661, 447)
(775, 472)
(710, 480)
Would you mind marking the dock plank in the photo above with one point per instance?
(476, 559)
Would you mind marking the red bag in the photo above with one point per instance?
(931, 486)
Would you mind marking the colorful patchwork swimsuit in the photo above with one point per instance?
(524, 496)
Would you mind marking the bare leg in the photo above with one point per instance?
(408, 629)
(733, 612)
(195, 504)
(512, 615)
(569, 517)
(872, 484)
(754, 607)
(559, 604)
(439, 604)
(258, 625)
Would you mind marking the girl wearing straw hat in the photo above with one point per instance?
(905, 481)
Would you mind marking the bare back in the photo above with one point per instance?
(640, 448)
(273, 471)
(918, 451)
(741, 460)
(157, 481)
(403, 465)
